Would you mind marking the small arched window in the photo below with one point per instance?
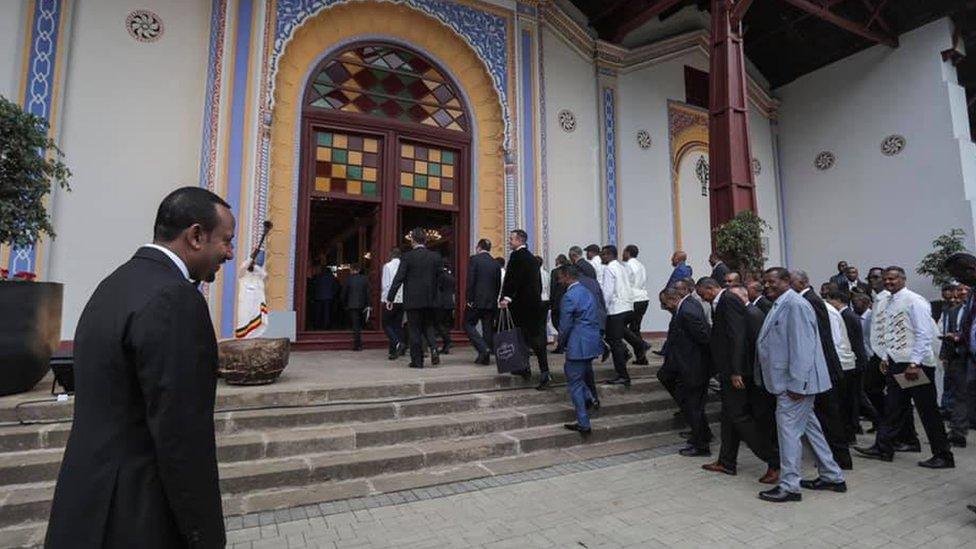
(387, 81)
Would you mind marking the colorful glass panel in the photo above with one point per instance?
(388, 82)
(427, 175)
(346, 164)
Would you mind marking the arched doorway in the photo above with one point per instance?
(385, 139)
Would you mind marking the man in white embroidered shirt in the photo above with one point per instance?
(906, 343)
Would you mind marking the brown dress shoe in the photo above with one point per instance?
(771, 476)
(717, 467)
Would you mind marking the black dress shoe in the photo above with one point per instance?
(557, 351)
(821, 484)
(641, 361)
(544, 380)
(914, 447)
(393, 356)
(412, 365)
(606, 353)
(685, 434)
(939, 462)
(779, 495)
(577, 428)
(445, 350)
(873, 452)
(593, 405)
(957, 441)
(618, 381)
(525, 374)
(658, 353)
(691, 451)
(483, 359)
(401, 349)
(435, 358)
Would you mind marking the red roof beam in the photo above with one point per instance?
(634, 22)
(846, 24)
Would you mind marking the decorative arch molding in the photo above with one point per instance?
(687, 133)
(345, 23)
(485, 29)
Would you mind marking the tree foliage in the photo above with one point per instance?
(739, 242)
(30, 163)
(933, 264)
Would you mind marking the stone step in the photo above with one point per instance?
(41, 465)
(33, 437)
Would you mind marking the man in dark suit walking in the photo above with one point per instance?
(687, 357)
(324, 290)
(730, 353)
(355, 300)
(522, 294)
(763, 403)
(853, 392)
(719, 268)
(584, 266)
(418, 272)
(756, 297)
(827, 405)
(446, 290)
(483, 286)
(140, 465)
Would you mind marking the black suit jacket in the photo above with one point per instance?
(860, 287)
(826, 340)
(523, 286)
(484, 281)
(141, 463)
(586, 268)
(719, 271)
(556, 292)
(324, 286)
(446, 288)
(688, 339)
(855, 334)
(418, 272)
(754, 321)
(764, 304)
(728, 341)
(355, 294)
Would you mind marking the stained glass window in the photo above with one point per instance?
(346, 164)
(428, 175)
(389, 82)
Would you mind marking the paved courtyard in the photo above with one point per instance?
(649, 499)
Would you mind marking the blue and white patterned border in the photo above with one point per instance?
(39, 90)
(487, 33)
(610, 140)
(543, 170)
(211, 107)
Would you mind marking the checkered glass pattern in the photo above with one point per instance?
(428, 175)
(346, 164)
(388, 82)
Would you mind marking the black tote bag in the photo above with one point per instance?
(511, 354)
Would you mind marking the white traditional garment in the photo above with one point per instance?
(544, 276)
(638, 279)
(252, 309)
(389, 273)
(616, 289)
(878, 321)
(598, 266)
(909, 330)
(838, 333)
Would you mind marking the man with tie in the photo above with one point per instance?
(794, 370)
(906, 343)
(522, 295)
(729, 350)
(354, 298)
(393, 316)
(418, 273)
(585, 267)
(686, 366)
(581, 339)
(681, 270)
(140, 466)
(483, 285)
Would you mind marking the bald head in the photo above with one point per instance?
(678, 257)
(799, 280)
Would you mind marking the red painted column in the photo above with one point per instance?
(731, 184)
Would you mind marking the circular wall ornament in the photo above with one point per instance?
(893, 144)
(567, 120)
(644, 139)
(144, 25)
(756, 166)
(824, 161)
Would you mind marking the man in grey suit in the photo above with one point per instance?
(794, 369)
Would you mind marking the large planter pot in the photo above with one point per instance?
(30, 330)
(257, 361)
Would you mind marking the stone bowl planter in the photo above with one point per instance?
(30, 330)
(257, 361)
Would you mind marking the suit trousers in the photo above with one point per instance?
(420, 324)
(579, 393)
(959, 405)
(897, 412)
(442, 325)
(393, 325)
(739, 423)
(670, 378)
(321, 314)
(634, 326)
(795, 419)
(693, 400)
(831, 421)
(873, 382)
(537, 342)
(482, 341)
(850, 404)
(616, 332)
(356, 319)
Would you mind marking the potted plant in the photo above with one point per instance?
(30, 328)
(739, 242)
(933, 264)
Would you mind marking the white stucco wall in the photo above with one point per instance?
(12, 24)
(131, 133)
(871, 209)
(572, 158)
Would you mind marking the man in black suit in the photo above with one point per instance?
(827, 406)
(140, 465)
(686, 366)
(324, 290)
(522, 295)
(719, 268)
(556, 293)
(852, 284)
(756, 297)
(841, 277)
(584, 266)
(483, 286)
(418, 272)
(729, 346)
(853, 394)
(446, 290)
(763, 404)
(355, 300)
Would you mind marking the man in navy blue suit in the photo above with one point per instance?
(580, 321)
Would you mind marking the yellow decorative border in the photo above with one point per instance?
(684, 138)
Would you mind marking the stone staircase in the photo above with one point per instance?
(283, 448)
